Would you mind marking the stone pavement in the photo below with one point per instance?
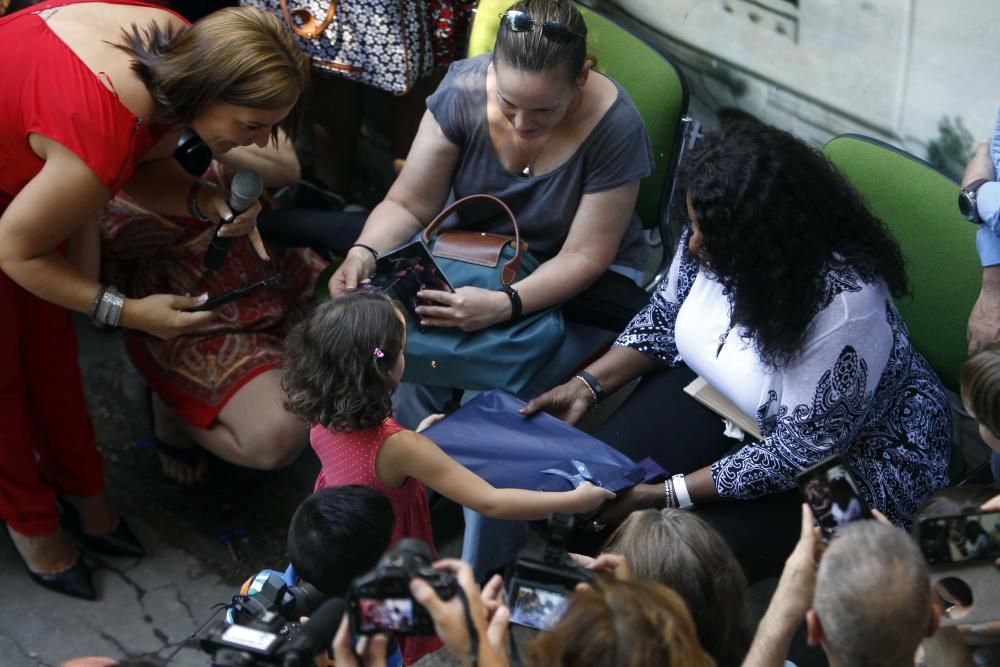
(202, 542)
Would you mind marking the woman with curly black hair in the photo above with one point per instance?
(780, 296)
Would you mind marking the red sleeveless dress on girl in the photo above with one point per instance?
(349, 458)
(48, 90)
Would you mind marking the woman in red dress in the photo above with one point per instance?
(95, 97)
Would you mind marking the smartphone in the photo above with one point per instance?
(237, 293)
(960, 538)
(833, 495)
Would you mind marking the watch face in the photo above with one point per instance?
(967, 206)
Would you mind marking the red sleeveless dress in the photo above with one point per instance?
(349, 458)
(47, 434)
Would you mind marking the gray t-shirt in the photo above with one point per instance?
(615, 152)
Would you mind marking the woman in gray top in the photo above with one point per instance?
(562, 145)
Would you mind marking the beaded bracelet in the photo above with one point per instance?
(668, 493)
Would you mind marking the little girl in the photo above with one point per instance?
(343, 365)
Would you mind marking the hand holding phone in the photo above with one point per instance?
(832, 494)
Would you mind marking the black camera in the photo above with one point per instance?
(268, 638)
(380, 601)
(539, 584)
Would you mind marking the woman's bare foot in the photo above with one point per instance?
(96, 514)
(45, 554)
(183, 463)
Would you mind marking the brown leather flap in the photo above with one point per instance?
(509, 271)
(473, 247)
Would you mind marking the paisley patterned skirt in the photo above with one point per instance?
(144, 253)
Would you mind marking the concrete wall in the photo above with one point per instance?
(891, 68)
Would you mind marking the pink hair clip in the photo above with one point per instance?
(377, 353)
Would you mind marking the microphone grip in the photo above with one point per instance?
(215, 256)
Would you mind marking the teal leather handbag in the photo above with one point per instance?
(503, 356)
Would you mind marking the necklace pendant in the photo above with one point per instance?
(527, 172)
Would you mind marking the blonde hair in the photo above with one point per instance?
(621, 624)
(980, 381)
(682, 551)
(237, 55)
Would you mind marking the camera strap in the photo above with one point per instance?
(470, 627)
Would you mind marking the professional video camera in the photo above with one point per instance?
(266, 637)
(380, 601)
(540, 583)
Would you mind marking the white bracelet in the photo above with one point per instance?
(681, 489)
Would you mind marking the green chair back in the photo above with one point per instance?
(918, 205)
(651, 80)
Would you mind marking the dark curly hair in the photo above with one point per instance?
(339, 362)
(776, 217)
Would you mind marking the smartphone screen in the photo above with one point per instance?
(833, 495)
(965, 538)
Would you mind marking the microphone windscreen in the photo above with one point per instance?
(245, 188)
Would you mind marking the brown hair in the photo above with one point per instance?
(237, 55)
(980, 381)
(339, 362)
(531, 51)
(680, 550)
(621, 624)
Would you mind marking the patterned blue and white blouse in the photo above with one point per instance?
(858, 388)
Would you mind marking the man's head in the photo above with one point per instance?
(338, 534)
(872, 605)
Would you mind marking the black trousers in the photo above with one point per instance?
(327, 232)
(662, 422)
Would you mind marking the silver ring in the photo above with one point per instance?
(598, 527)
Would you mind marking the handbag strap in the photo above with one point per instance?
(510, 268)
(309, 28)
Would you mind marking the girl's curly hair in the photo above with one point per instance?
(339, 362)
(776, 217)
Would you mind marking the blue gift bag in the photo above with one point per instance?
(541, 453)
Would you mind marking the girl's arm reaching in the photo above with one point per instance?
(409, 454)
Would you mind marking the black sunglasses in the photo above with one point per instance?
(518, 21)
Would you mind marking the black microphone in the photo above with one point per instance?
(316, 635)
(245, 189)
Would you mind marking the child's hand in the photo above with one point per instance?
(590, 497)
(429, 421)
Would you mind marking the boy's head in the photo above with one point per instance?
(338, 534)
(980, 380)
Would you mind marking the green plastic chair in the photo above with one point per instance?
(917, 204)
(625, 53)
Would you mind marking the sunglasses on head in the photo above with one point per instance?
(518, 21)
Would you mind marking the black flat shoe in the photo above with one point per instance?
(119, 542)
